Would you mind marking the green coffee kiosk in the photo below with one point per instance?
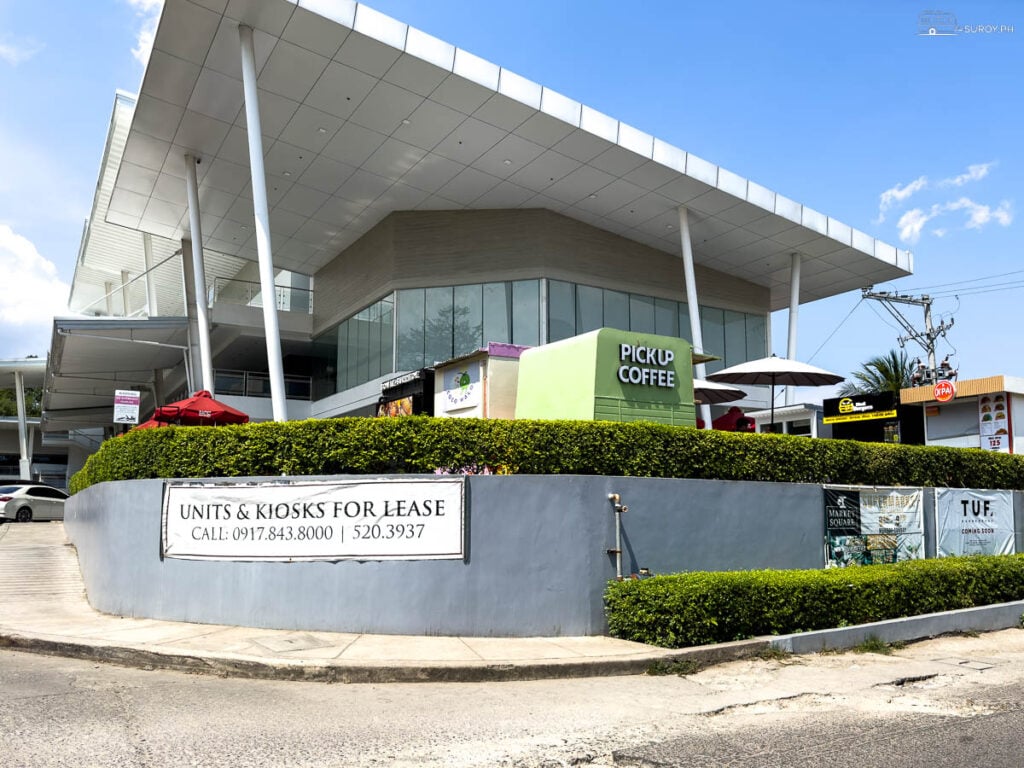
(609, 375)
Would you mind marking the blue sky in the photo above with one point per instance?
(913, 139)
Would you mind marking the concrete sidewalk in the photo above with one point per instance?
(43, 608)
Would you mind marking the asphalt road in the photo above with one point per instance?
(950, 702)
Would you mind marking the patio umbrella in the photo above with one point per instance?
(198, 410)
(775, 370)
(151, 424)
(713, 393)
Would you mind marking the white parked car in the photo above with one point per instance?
(25, 502)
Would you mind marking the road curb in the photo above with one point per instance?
(226, 665)
(985, 618)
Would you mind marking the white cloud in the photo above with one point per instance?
(979, 215)
(33, 293)
(974, 173)
(898, 194)
(16, 52)
(911, 223)
(149, 12)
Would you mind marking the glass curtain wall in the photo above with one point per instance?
(418, 327)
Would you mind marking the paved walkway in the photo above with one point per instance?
(43, 608)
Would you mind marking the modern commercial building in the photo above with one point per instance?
(307, 199)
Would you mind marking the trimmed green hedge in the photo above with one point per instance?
(640, 449)
(704, 607)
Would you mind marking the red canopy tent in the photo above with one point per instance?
(199, 410)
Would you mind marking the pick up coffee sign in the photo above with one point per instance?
(415, 519)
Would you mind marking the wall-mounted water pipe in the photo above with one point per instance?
(619, 508)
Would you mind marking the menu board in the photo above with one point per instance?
(994, 422)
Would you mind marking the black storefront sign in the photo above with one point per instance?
(878, 405)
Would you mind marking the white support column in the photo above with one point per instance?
(692, 305)
(147, 252)
(794, 312)
(272, 332)
(192, 355)
(25, 460)
(199, 273)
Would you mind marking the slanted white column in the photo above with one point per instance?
(25, 460)
(261, 214)
(691, 303)
(199, 274)
(147, 252)
(794, 312)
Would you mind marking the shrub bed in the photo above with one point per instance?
(704, 607)
(639, 449)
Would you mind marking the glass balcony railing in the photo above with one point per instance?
(246, 293)
(257, 384)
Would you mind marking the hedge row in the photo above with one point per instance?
(641, 449)
(703, 607)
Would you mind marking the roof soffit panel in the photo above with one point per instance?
(403, 84)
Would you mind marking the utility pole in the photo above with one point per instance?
(925, 339)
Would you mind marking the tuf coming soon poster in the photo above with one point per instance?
(865, 526)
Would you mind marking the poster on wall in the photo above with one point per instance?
(994, 422)
(334, 520)
(973, 522)
(866, 526)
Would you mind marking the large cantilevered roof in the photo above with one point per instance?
(363, 115)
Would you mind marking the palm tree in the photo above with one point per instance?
(887, 373)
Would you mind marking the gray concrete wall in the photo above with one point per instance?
(537, 557)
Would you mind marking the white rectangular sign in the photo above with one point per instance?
(973, 522)
(126, 406)
(415, 519)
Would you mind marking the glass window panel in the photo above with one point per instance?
(374, 346)
(641, 313)
(735, 337)
(438, 313)
(526, 312)
(497, 311)
(616, 310)
(410, 329)
(344, 368)
(387, 335)
(666, 317)
(712, 327)
(468, 319)
(589, 308)
(561, 310)
(757, 337)
(325, 371)
(362, 328)
(684, 322)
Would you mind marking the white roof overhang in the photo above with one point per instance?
(90, 358)
(363, 115)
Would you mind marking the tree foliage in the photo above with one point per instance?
(9, 405)
(887, 373)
